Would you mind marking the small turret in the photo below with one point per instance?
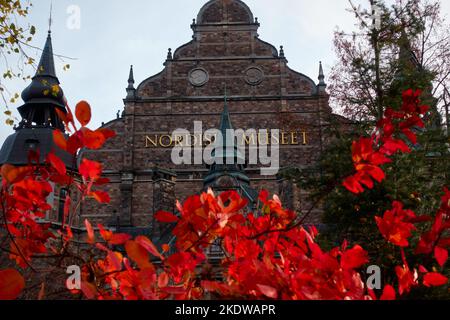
(131, 91)
(322, 85)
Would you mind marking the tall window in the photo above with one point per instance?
(62, 200)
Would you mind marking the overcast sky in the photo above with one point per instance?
(114, 34)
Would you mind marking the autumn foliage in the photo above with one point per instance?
(266, 254)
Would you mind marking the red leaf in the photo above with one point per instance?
(74, 143)
(59, 139)
(57, 164)
(90, 169)
(14, 174)
(119, 239)
(11, 284)
(138, 254)
(93, 139)
(105, 234)
(367, 169)
(395, 226)
(392, 146)
(268, 291)
(83, 113)
(62, 115)
(163, 280)
(149, 246)
(90, 231)
(101, 196)
(67, 118)
(434, 279)
(166, 217)
(422, 269)
(354, 258)
(111, 238)
(352, 185)
(115, 259)
(441, 255)
(406, 279)
(388, 293)
(107, 133)
(263, 196)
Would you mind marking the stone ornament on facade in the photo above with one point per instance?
(254, 76)
(198, 77)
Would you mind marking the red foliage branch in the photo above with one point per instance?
(266, 254)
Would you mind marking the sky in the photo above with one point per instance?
(112, 35)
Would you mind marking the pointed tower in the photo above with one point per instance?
(44, 95)
(410, 74)
(39, 116)
(131, 91)
(407, 57)
(322, 85)
(227, 171)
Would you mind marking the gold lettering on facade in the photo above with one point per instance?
(151, 142)
(284, 139)
(249, 140)
(262, 138)
(165, 141)
(294, 138)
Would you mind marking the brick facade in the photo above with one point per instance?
(263, 93)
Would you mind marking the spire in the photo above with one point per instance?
(131, 91)
(42, 99)
(46, 65)
(322, 85)
(321, 74)
(131, 78)
(406, 54)
(44, 94)
(227, 171)
(225, 121)
(229, 147)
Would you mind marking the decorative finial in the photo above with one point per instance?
(281, 51)
(256, 20)
(50, 19)
(169, 54)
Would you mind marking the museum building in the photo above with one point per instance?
(226, 77)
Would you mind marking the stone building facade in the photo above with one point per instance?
(225, 54)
